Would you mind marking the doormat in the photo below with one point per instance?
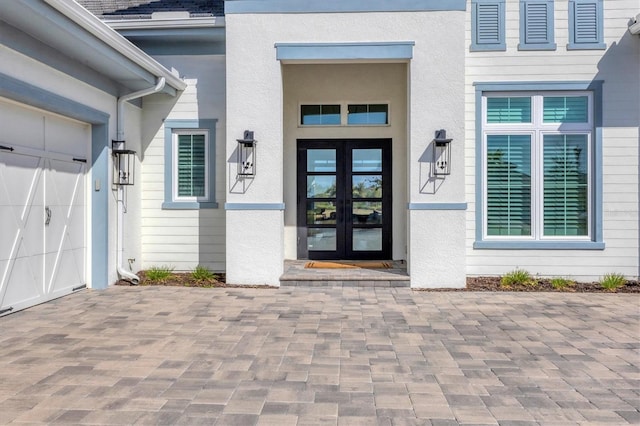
(348, 265)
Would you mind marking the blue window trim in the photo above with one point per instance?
(550, 44)
(169, 127)
(575, 44)
(399, 50)
(340, 6)
(254, 206)
(501, 44)
(595, 87)
(437, 206)
(25, 93)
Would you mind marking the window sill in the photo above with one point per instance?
(551, 46)
(488, 48)
(173, 205)
(539, 245)
(587, 46)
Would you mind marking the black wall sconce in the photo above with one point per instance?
(247, 154)
(441, 154)
(124, 162)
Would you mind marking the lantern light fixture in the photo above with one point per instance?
(124, 161)
(441, 154)
(246, 154)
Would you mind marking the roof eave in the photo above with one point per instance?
(111, 38)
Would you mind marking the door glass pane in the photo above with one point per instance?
(367, 186)
(321, 160)
(367, 212)
(321, 239)
(566, 184)
(509, 185)
(367, 160)
(367, 239)
(321, 213)
(321, 186)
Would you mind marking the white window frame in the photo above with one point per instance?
(537, 129)
(174, 166)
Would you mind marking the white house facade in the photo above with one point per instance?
(465, 137)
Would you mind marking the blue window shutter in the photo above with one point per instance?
(488, 25)
(536, 25)
(586, 25)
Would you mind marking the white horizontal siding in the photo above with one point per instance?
(184, 239)
(618, 67)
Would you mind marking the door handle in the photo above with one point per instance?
(47, 214)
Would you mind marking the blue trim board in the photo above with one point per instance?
(178, 41)
(25, 93)
(437, 206)
(596, 87)
(254, 206)
(538, 245)
(169, 127)
(402, 50)
(340, 6)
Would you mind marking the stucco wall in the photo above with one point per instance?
(435, 84)
(618, 67)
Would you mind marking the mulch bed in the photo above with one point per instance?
(483, 284)
(493, 284)
(184, 279)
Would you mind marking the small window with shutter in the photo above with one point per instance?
(487, 25)
(536, 25)
(586, 25)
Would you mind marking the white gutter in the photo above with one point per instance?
(110, 37)
(635, 28)
(120, 199)
(161, 23)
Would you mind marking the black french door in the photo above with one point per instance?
(344, 199)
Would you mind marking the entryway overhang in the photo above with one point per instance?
(382, 51)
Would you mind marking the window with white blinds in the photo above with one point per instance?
(537, 165)
(191, 175)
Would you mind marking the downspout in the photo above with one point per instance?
(120, 199)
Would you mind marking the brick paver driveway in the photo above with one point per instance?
(299, 356)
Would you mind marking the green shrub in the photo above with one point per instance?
(159, 273)
(202, 273)
(517, 277)
(560, 283)
(612, 281)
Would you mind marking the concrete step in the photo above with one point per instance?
(346, 283)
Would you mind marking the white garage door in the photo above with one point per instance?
(42, 208)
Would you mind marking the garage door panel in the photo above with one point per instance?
(76, 233)
(62, 271)
(60, 131)
(23, 283)
(9, 229)
(21, 126)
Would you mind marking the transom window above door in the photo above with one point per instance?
(345, 114)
